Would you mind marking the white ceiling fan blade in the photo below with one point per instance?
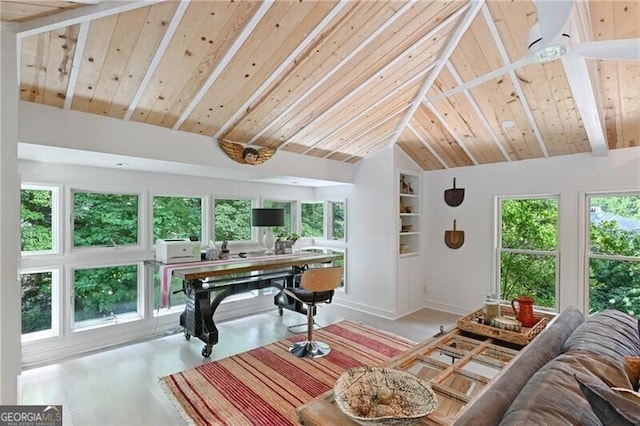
(484, 78)
(552, 17)
(627, 49)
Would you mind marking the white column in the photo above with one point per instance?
(10, 347)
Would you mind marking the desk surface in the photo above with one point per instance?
(238, 265)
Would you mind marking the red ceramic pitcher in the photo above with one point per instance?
(525, 313)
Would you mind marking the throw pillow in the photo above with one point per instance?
(631, 395)
(610, 407)
(632, 368)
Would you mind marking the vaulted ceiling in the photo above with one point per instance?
(343, 79)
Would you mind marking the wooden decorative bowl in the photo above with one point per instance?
(376, 395)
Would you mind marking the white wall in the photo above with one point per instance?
(458, 280)
(162, 149)
(9, 222)
(371, 235)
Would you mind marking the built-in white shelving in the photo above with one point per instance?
(409, 214)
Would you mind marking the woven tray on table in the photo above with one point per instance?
(523, 337)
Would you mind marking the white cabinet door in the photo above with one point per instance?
(410, 291)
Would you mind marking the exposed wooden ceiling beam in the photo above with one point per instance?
(335, 69)
(360, 135)
(583, 88)
(356, 154)
(79, 15)
(369, 108)
(157, 57)
(479, 114)
(382, 71)
(448, 50)
(427, 145)
(514, 79)
(281, 68)
(451, 132)
(235, 47)
(587, 103)
(75, 64)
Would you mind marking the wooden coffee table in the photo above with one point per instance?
(458, 365)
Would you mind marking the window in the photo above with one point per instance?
(289, 223)
(232, 219)
(36, 301)
(177, 217)
(105, 293)
(37, 219)
(339, 261)
(104, 219)
(312, 218)
(337, 216)
(528, 256)
(614, 253)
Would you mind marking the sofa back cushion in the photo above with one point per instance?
(611, 333)
(553, 396)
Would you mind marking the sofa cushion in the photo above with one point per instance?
(553, 396)
(618, 329)
(494, 402)
(609, 406)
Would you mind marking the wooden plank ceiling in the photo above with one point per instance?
(335, 79)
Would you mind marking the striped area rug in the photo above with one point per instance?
(264, 386)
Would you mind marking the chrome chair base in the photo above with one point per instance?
(292, 328)
(309, 349)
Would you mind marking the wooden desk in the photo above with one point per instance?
(227, 277)
(458, 366)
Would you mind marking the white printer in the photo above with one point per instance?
(177, 251)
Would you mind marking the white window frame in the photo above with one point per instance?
(56, 308)
(585, 287)
(324, 219)
(205, 208)
(56, 241)
(499, 249)
(142, 211)
(118, 319)
(252, 229)
(329, 219)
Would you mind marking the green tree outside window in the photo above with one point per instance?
(232, 219)
(104, 219)
(312, 218)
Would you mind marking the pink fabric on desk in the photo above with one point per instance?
(167, 270)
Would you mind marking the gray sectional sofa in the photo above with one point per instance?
(543, 386)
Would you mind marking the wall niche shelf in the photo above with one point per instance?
(409, 214)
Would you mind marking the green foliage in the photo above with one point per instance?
(103, 292)
(286, 206)
(337, 222)
(177, 217)
(614, 265)
(312, 218)
(530, 275)
(232, 220)
(530, 224)
(104, 219)
(36, 301)
(36, 216)
(530, 227)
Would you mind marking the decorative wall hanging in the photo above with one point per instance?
(246, 155)
(453, 238)
(454, 196)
